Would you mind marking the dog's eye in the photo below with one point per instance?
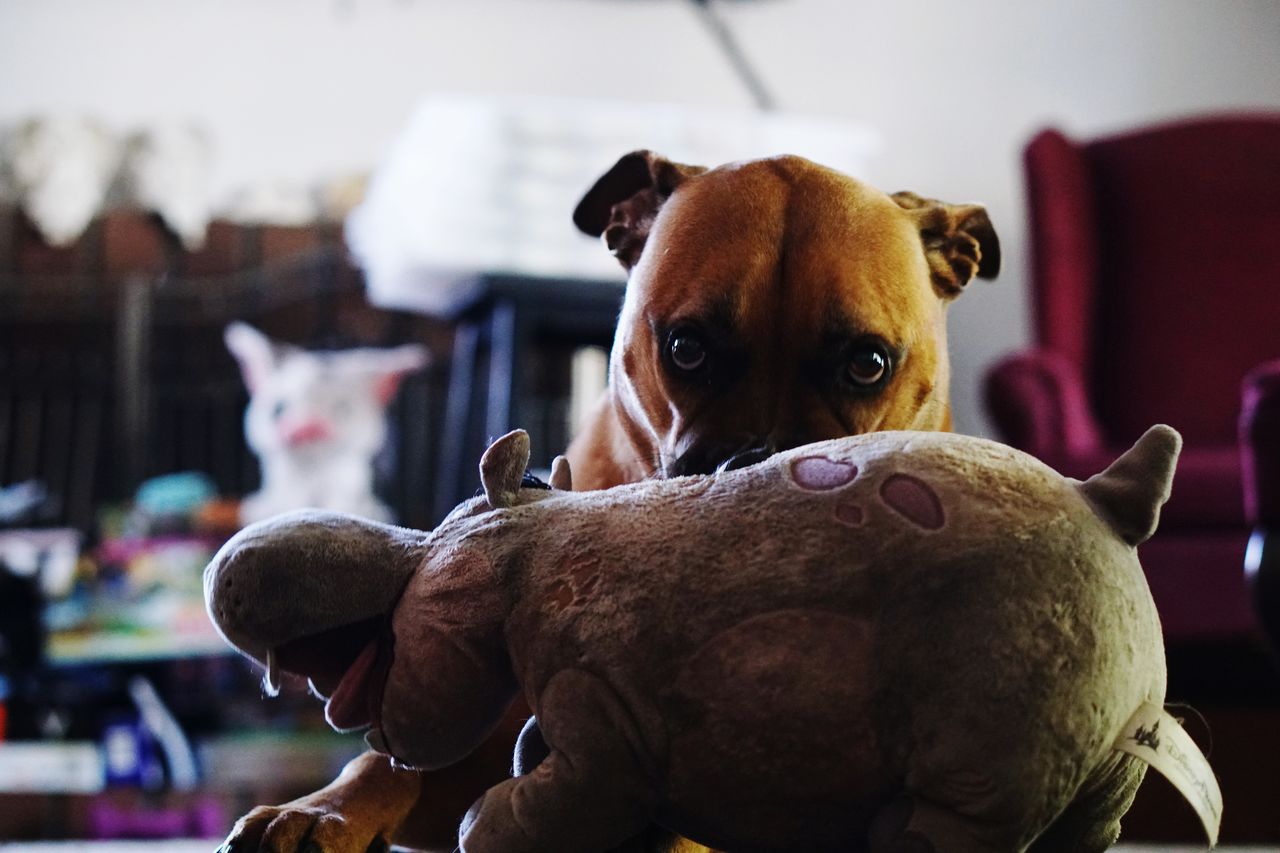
(687, 350)
(277, 411)
(868, 365)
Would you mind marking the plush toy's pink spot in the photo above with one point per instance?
(585, 586)
(574, 587)
(561, 595)
(818, 473)
(850, 514)
(584, 575)
(914, 499)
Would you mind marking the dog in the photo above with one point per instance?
(783, 303)
(769, 303)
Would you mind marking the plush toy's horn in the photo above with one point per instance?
(1131, 491)
(502, 468)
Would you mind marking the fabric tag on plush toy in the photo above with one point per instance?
(1156, 737)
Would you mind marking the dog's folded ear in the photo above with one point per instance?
(959, 241)
(623, 203)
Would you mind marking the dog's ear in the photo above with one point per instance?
(959, 241)
(622, 204)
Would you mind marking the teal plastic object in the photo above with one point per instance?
(175, 494)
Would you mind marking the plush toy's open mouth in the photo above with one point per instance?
(347, 666)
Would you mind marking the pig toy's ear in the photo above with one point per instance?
(561, 476)
(502, 468)
(1129, 494)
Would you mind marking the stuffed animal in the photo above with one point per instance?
(61, 169)
(167, 169)
(316, 421)
(891, 642)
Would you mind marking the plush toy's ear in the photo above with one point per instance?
(1131, 491)
(959, 241)
(256, 353)
(623, 203)
(502, 468)
(561, 476)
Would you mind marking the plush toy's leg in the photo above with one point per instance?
(1091, 823)
(590, 793)
(912, 825)
(532, 750)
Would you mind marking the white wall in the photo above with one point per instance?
(299, 89)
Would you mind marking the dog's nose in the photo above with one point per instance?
(750, 456)
(709, 458)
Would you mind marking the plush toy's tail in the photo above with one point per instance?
(1158, 738)
(1131, 491)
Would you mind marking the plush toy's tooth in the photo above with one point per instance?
(271, 678)
(376, 741)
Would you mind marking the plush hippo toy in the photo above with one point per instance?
(889, 642)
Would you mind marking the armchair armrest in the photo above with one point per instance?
(1038, 401)
(1260, 444)
(1260, 465)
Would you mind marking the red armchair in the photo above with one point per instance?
(1156, 291)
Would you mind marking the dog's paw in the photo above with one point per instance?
(301, 829)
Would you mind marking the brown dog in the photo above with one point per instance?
(782, 303)
(770, 303)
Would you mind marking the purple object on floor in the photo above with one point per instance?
(205, 818)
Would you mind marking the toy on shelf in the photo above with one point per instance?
(60, 170)
(65, 170)
(136, 594)
(891, 641)
(317, 420)
(166, 169)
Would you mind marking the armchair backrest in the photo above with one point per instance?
(1156, 267)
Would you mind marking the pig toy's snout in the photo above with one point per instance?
(303, 573)
(221, 597)
(232, 584)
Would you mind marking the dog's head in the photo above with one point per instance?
(776, 302)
